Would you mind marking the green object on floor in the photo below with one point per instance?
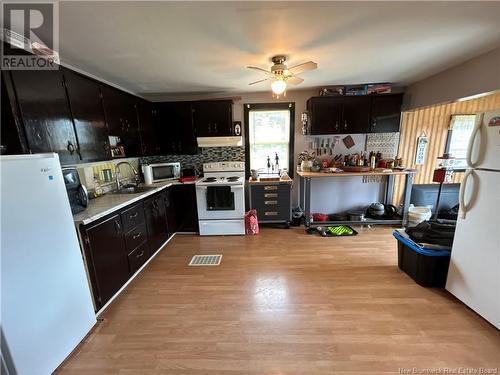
(341, 230)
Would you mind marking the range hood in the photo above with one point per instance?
(219, 141)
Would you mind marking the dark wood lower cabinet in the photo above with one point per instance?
(154, 212)
(170, 212)
(108, 253)
(186, 212)
(118, 245)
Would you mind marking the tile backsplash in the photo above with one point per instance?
(207, 155)
(92, 175)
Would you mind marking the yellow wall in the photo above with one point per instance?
(434, 120)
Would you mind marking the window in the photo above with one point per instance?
(269, 132)
(459, 133)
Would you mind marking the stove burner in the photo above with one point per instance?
(209, 179)
(233, 178)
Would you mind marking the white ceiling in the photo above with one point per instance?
(203, 47)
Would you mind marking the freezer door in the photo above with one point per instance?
(46, 306)
(474, 273)
(484, 146)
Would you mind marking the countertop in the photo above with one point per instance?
(347, 174)
(280, 181)
(108, 203)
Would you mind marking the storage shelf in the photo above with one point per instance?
(358, 222)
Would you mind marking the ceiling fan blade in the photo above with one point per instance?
(260, 70)
(259, 81)
(297, 69)
(294, 80)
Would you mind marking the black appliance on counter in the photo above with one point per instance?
(77, 194)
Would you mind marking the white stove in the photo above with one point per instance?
(220, 197)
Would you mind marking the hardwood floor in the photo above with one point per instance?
(283, 302)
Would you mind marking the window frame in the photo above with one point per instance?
(449, 136)
(290, 106)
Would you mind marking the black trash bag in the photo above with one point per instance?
(440, 232)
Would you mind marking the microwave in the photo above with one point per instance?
(161, 172)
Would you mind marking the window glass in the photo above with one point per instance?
(461, 127)
(269, 133)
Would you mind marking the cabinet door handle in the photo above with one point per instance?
(136, 236)
(71, 148)
(336, 125)
(270, 202)
(215, 125)
(374, 124)
(272, 187)
(140, 254)
(118, 227)
(134, 215)
(345, 125)
(270, 213)
(209, 128)
(271, 195)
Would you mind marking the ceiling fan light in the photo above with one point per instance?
(278, 87)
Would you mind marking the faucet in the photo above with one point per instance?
(117, 173)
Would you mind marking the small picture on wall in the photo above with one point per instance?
(422, 142)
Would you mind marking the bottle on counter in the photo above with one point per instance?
(373, 161)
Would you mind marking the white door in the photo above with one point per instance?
(484, 146)
(474, 273)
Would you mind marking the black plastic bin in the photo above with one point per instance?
(428, 267)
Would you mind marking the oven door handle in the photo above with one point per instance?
(232, 186)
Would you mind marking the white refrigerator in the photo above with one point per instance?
(46, 306)
(474, 272)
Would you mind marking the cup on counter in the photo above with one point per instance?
(107, 175)
(254, 174)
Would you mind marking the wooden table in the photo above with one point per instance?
(305, 194)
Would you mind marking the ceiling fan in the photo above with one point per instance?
(280, 75)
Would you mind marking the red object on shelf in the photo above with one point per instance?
(187, 179)
(320, 217)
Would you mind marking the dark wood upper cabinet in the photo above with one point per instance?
(386, 113)
(175, 128)
(355, 115)
(12, 134)
(213, 118)
(107, 248)
(45, 114)
(147, 134)
(325, 115)
(154, 212)
(85, 103)
(120, 110)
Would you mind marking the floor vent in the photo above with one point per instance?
(205, 260)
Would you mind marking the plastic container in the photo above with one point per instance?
(418, 214)
(320, 217)
(426, 267)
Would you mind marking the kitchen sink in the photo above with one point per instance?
(133, 189)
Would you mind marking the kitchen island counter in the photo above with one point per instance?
(305, 179)
(347, 174)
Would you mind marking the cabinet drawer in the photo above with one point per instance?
(136, 237)
(270, 191)
(132, 217)
(138, 257)
(276, 213)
